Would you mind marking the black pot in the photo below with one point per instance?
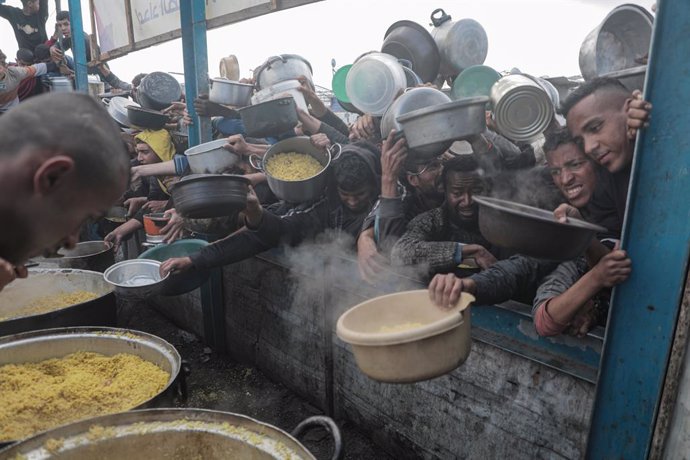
(158, 90)
(202, 196)
(412, 42)
(145, 118)
(270, 118)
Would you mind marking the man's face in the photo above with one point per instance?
(357, 200)
(573, 173)
(64, 28)
(601, 129)
(31, 6)
(427, 178)
(146, 155)
(460, 187)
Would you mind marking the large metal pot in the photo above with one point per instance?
(227, 92)
(175, 434)
(202, 196)
(619, 42)
(136, 279)
(412, 99)
(281, 68)
(158, 90)
(431, 130)
(117, 108)
(47, 344)
(408, 40)
(87, 255)
(270, 118)
(532, 231)
(146, 118)
(298, 191)
(46, 282)
(461, 43)
(211, 157)
(632, 78)
(184, 282)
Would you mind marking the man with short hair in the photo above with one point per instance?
(28, 22)
(61, 163)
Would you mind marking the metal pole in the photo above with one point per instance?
(656, 235)
(78, 46)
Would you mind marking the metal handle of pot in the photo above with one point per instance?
(257, 162)
(337, 147)
(437, 21)
(329, 425)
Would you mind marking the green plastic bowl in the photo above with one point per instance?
(185, 282)
(338, 83)
(474, 81)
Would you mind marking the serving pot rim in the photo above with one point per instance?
(108, 246)
(231, 82)
(106, 274)
(270, 154)
(438, 108)
(207, 147)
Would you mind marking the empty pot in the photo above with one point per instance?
(281, 68)
(412, 42)
(410, 100)
(522, 108)
(211, 158)
(201, 196)
(145, 118)
(270, 118)
(227, 92)
(461, 44)
(158, 90)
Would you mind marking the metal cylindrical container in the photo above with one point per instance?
(522, 108)
(461, 44)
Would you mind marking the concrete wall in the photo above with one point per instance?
(496, 405)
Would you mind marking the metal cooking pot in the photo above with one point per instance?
(145, 118)
(211, 157)
(177, 284)
(158, 90)
(618, 43)
(46, 282)
(299, 191)
(87, 255)
(461, 44)
(201, 196)
(431, 130)
(632, 78)
(60, 85)
(136, 279)
(281, 68)
(270, 118)
(227, 92)
(411, 99)
(117, 108)
(408, 40)
(532, 231)
(46, 344)
(176, 434)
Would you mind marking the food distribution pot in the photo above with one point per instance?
(522, 108)
(176, 434)
(227, 92)
(270, 118)
(202, 196)
(136, 279)
(181, 283)
(281, 68)
(461, 44)
(410, 100)
(211, 157)
(43, 282)
(145, 118)
(158, 90)
(409, 40)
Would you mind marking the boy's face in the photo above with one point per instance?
(573, 173)
(146, 155)
(357, 200)
(64, 28)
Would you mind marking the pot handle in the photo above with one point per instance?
(437, 21)
(106, 102)
(329, 425)
(257, 162)
(337, 154)
(181, 391)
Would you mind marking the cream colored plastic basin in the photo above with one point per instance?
(435, 342)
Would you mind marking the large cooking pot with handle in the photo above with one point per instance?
(36, 346)
(461, 44)
(280, 68)
(202, 196)
(175, 434)
(19, 313)
(298, 191)
(158, 90)
(87, 255)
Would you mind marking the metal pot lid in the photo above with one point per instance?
(443, 107)
(426, 67)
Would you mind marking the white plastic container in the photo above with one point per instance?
(282, 89)
(374, 81)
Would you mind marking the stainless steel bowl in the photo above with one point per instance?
(211, 158)
(136, 279)
(224, 91)
(412, 99)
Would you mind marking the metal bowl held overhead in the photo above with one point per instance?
(135, 279)
(202, 196)
(146, 118)
(36, 346)
(532, 231)
(632, 78)
(158, 90)
(227, 92)
(474, 81)
(299, 191)
(175, 434)
(281, 68)
(430, 131)
(409, 40)
(270, 118)
(403, 337)
(177, 284)
(522, 107)
(211, 158)
(17, 300)
(117, 108)
(619, 42)
(461, 44)
(412, 99)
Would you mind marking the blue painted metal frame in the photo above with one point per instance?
(657, 237)
(78, 49)
(194, 52)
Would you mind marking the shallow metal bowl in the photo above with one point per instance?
(136, 279)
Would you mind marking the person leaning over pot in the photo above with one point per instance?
(349, 196)
(152, 147)
(61, 163)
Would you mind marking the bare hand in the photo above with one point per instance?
(237, 144)
(174, 228)
(175, 266)
(583, 321)
(369, 260)
(480, 254)
(445, 290)
(363, 128)
(564, 211)
(318, 108)
(115, 238)
(310, 124)
(613, 268)
(320, 141)
(10, 272)
(156, 205)
(133, 205)
(55, 54)
(393, 156)
(253, 213)
(638, 114)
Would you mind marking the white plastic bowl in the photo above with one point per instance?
(282, 89)
(211, 157)
(374, 81)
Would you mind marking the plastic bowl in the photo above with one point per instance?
(211, 158)
(437, 346)
(338, 83)
(474, 81)
(185, 282)
(374, 81)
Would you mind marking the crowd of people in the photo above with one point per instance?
(64, 165)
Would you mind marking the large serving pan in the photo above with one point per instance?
(87, 255)
(175, 434)
(532, 231)
(44, 282)
(36, 346)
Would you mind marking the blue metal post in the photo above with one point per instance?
(194, 52)
(78, 46)
(657, 237)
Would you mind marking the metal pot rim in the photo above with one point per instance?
(108, 247)
(225, 81)
(270, 153)
(124, 263)
(208, 177)
(464, 102)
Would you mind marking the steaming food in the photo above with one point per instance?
(293, 166)
(38, 396)
(400, 327)
(49, 303)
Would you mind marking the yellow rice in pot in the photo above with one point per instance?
(293, 166)
(49, 303)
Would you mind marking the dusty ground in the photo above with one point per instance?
(216, 382)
